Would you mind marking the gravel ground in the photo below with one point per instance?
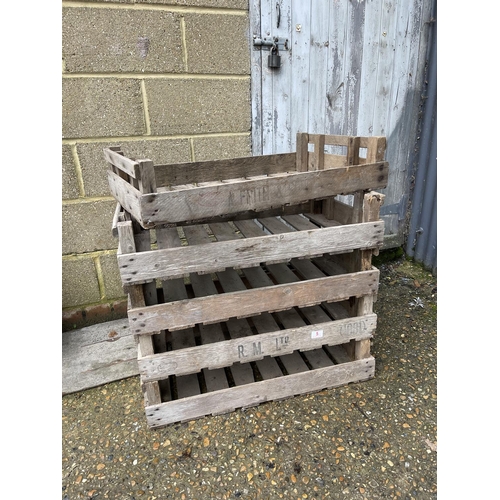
(376, 439)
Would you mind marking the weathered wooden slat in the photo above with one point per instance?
(329, 266)
(272, 212)
(184, 313)
(339, 213)
(127, 195)
(224, 231)
(206, 171)
(249, 228)
(96, 355)
(294, 363)
(339, 354)
(299, 222)
(127, 165)
(318, 358)
(343, 140)
(187, 385)
(117, 216)
(147, 179)
(318, 156)
(146, 266)
(231, 281)
(331, 161)
(252, 348)
(260, 194)
(216, 380)
(302, 157)
(259, 392)
(375, 147)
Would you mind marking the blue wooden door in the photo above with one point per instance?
(353, 67)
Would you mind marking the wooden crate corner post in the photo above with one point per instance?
(136, 298)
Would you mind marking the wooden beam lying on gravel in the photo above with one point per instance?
(98, 354)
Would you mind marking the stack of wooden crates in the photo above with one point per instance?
(250, 279)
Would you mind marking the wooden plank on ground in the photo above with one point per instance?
(97, 355)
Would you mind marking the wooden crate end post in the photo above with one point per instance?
(302, 154)
(146, 176)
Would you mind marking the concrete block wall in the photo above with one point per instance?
(167, 80)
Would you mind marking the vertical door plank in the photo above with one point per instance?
(373, 38)
(301, 76)
(267, 80)
(318, 60)
(354, 58)
(336, 69)
(282, 81)
(256, 79)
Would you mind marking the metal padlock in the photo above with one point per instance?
(274, 59)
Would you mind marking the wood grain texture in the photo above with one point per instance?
(127, 165)
(96, 355)
(259, 392)
(254, 347)
(259, 194)
(353, 68)
(146, 266)
(217, 170)
(184, 313)
(127, 196)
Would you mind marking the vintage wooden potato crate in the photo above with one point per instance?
(250, 279)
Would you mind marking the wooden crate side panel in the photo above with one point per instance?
(260, 194)
(127, 196)
(344, 140)
(206, 171)
(272, 212)
(211, 309)
(259, 392)
(375, 150)
(126, 165)
(254, 347)
(145, 266)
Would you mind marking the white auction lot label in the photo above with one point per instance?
(316, 334)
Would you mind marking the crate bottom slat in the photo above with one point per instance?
(303, 380)
(214, 350)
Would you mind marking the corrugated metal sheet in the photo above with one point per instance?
(421, 241)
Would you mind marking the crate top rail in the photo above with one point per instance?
(280, 183)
